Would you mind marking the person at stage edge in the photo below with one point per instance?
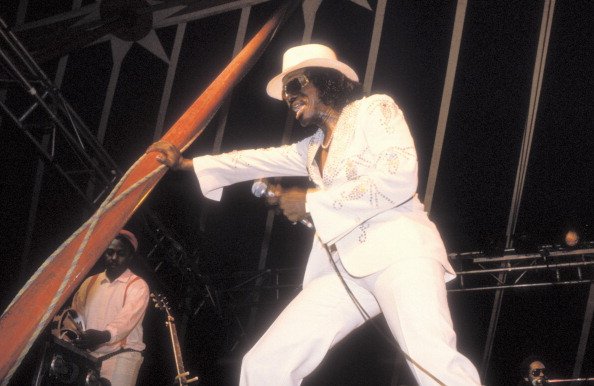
(533, 372)
(112, 305)
(363, 163)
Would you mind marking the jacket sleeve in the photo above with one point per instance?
(381, 177)
(217, 171)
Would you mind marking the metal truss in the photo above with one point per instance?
(174, 269)
(547, 267)
(247, 293)
(267, 285)
(550, 266)
(36, 107)
(475, 272)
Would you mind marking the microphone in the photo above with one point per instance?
(260, 189)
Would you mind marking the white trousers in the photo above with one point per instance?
(412, 295)
(122, 369)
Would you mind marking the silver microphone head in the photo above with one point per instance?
(259, 188)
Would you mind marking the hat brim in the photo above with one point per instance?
(275, 85)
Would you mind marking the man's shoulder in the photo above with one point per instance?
(375, 99)
(86, 284)
(129, 279)
(92, 278)
(369, 103)
(362, 108)
(137, 281)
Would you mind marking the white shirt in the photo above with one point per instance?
(117, 307)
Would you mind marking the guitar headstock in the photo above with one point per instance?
(161, 302)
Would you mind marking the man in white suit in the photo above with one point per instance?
(372, 233)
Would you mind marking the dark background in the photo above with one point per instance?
(472, 198)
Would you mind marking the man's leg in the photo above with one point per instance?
(125, 368)
(319, 316)
(413, 298)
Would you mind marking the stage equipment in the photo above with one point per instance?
(129, 20)
(551, 381)
(56, 131)
(177, 273)
(552, 266)
(68, 325)
(181, 378)
(548, 267)
(63, 271)
(65, 364)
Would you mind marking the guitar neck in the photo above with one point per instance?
(179, 363)
(182, 377)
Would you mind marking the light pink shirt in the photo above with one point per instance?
(117, 307)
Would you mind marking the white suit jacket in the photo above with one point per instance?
(365, 204)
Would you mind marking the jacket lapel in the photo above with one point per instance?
(343, 136)
(312, 165)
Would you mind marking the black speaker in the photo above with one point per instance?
(65, 364)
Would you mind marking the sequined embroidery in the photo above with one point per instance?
(345, 128)
(363, 229)
(365, 188)
(236, 158)
(312, 167)
(389, 160)
(386, 114)
(356, 167)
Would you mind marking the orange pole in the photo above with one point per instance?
(47, 290)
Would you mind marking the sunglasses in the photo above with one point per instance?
(537, 372)
(295, 85)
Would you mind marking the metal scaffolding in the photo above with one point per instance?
(547, 267)
(37, 108)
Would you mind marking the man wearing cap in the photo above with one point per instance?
(112, 305)
(368, 220)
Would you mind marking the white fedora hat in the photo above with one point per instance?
(308, 55)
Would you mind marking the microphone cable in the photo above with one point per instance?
(369, 319)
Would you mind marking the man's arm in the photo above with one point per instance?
(217, 171)
(78, 300)
(132, 312)
(89, 339)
